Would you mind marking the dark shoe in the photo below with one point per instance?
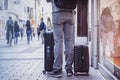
(55, 73)
(69, 72)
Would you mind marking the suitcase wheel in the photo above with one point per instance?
(87, 73)
(75, 74)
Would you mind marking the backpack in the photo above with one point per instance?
(66, 4)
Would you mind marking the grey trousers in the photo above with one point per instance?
(63, 23)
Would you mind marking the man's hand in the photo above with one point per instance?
(48, 0)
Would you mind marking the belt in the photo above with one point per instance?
(64, 11)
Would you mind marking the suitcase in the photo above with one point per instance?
(48, 51)
(81, 59)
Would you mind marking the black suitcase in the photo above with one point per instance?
(48, 51)
(81, 59)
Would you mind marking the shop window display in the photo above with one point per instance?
(110, 35)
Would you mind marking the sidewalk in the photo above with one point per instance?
(26, 62)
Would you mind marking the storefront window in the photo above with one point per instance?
(110, 35)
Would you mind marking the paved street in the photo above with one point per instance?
(26, 62)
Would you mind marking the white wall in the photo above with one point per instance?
(3, 19)
(47, 9)
(18, 9)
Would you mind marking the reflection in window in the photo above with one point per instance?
(110, 41)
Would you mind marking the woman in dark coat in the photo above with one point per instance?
(28, 31)
(16, 32)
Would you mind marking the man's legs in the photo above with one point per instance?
(58, 47)
(68, 36)
(42, 36)
(38, 35)
(68, 45)
(7, 36)
(28, 36)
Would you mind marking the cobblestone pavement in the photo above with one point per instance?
(26, 62)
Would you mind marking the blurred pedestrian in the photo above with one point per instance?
(28, 31)
(22, 32)
(10, 30)
(42, 29)
(38, 32)
(16, 32)
(49, 24)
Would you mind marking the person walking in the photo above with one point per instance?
(49, 24)
(38, 32)
(22, 32)
(10, 30)
(42, 29)
(63, 23)
(16, 32)
(28, 31)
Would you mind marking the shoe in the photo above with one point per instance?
(55, 73)
(69, 72)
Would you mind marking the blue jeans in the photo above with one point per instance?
(16, 35)
(28, 32)
(9, 32)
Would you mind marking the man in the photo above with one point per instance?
(9, 27)
(42, 29)
(63, 23)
